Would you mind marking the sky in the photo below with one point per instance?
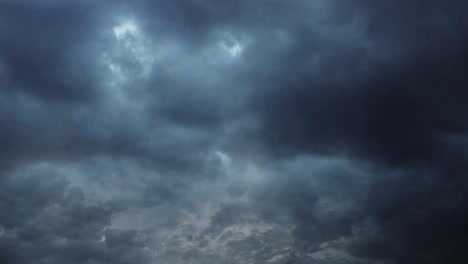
(234, 132)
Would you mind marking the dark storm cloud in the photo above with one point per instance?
(53, 102)
(47, 71)
(43, 50)
(397, 102)
(394, 100)
(59, 103)
(44, 221)
(233, 131)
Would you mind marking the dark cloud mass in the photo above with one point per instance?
(243, 132)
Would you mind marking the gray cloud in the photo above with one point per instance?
(238, 132)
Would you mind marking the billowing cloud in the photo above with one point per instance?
(244, 132)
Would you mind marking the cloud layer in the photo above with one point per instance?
(204, 131)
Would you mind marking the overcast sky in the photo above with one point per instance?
(233, 132)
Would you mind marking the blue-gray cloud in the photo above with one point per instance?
(237, 132)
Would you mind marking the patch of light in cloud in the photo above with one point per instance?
(231, 46)
(132, 44)
(224, 158)
(129, 57)
(234, 50)
(126, 28)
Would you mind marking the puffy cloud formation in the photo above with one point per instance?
(243, 132)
